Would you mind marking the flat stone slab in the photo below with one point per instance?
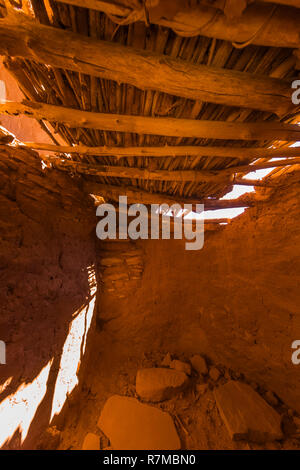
(246, 415)
(158, 384)
(131, 425)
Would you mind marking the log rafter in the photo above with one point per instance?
(136, 195)
(241, 153)
(140, 173)
(281, 26)
(75, 118)
(225, 175)
(21, 37)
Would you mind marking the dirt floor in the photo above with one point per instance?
(195, 415)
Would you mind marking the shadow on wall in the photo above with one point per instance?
(47, 291)
(28, 408)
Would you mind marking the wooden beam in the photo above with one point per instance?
(197, 176)
(281, 28)
(291, 3)
(262, 165)
(134, 195)
(21, 37)
(241, 153)
(140, 196)
(156, 126)
(247, 182)
(140, 173)
(109, 7)
(246, 200)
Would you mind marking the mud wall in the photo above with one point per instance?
(46, 258)
(236, 300)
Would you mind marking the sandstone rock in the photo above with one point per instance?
(131, 425)
(199, 364)
(246, 415)
(181, 366)
(91, 442)
(201, 389)
(214, 373)
(167, 360)
(270, 398)
(157, 384)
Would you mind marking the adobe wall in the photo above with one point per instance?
(46, 253)
(236, 300)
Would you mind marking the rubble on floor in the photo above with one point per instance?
(206, 407)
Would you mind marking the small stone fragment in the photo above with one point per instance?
(199, 364)
(91, 442)
(214, 373)
(158, 384)
(271, 399)
(167, 360)
(246, 414)
(181, 366)
(131, 425)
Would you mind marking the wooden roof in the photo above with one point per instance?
(161, 97)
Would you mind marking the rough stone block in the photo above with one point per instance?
(246, 415)
(199, 364)
(91, 442)
(157, 384)
(131, 425)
